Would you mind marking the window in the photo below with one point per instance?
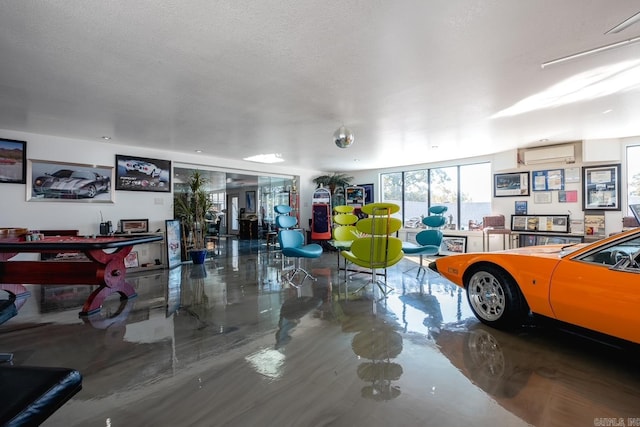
(444, 191)
(633, 176)
(392, 189)
(465, 190)
(475, 193)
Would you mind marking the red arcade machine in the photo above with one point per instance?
(321, 214)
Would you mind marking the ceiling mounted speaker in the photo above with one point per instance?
(343, 137)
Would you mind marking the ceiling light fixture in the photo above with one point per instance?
(591, 51)
(265, 158)
(624, 24)
(106, 138)
(343, 137)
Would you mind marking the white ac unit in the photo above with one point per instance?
(551, 154)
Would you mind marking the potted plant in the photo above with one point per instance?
(192, 208)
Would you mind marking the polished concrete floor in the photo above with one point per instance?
(231, 344)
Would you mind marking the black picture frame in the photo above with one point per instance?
(135, 173)
(134, 225)
(13, 161)
(540, 223)
(514, 184)
(601, 187)
(368, 193)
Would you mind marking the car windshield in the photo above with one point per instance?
(615, 251)
(81, 175)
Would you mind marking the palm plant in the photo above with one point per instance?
(192, 208)
(333, 181)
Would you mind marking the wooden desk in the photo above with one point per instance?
(104, 265)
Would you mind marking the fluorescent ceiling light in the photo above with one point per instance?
(593, 84)
(591, 51)
(265, 158)
(624, 24)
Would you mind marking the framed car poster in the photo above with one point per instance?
(68, 182)
(143, 174)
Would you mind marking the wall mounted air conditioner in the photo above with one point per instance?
(551, 154)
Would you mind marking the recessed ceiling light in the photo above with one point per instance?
(198, 151)
(106, 138)
(265, 158)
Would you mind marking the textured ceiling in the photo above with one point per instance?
(416, 81)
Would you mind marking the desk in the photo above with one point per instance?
(103, 268)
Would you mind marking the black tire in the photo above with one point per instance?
(91, 191)
(494, 298)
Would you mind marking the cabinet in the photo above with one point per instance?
(248, 228)
(150, 256)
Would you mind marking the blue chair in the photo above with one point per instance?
(292, 245)
(429, 240)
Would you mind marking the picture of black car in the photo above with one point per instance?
(69, 183)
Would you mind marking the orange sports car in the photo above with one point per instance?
(594, 286)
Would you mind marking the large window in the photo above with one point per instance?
(475, 193)
(392, 189)
(465, 190)
(633, 176)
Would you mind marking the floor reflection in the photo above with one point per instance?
(227, 343)
(544, 375)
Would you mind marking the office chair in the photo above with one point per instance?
(429, 240)
(292, 245)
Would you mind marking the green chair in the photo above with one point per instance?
(344, 231)
(377, 249)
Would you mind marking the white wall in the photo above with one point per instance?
(86, 216)
(596, 152)
(613, 219)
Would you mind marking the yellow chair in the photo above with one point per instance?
(378, 249)
(344, 231)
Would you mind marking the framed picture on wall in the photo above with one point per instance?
(68, 182)
(143, 174)
(368, 193)
(601, 187)
(250, 205)
(13, 161)
(511, 184)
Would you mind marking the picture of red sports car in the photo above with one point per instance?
(70, 183)
(594, 286)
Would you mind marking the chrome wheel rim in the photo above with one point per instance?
(486, 296)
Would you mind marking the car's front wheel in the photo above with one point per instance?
(495, 298)
(91, 191)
